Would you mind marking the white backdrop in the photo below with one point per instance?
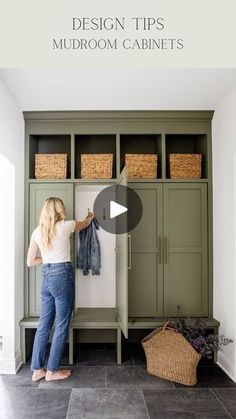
(93, 290)
(224, 231)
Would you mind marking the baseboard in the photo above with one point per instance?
(226, 365)
(11, 366)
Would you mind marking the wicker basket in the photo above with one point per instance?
(185, 166)
(169, 355)
(141, 165)
(96, 166)
(50, 166)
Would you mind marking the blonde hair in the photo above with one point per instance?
(53, 211)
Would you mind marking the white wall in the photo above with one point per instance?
(92, 290)
(12, 228)
(224, 226)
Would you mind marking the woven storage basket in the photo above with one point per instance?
(185, 166)
(141, 165)
(50, 166)
(169, 355)
(96, 166)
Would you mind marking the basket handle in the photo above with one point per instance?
(158, 329)
(165, 325)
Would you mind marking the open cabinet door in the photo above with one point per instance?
(122, 257)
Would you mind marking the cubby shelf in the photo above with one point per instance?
(186, 143)
(50, 180)
(141, 144)
(111, 181)
(119, 144)
(94, 144)
(49, 144)
(167, 180)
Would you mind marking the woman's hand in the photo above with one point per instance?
(90, 216)
(88, 219)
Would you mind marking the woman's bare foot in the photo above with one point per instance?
(57, 375)
(38, 374)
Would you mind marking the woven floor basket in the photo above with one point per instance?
(96, 166)
(185, 166)
(169, 355)
(141, 165)
(50, 166)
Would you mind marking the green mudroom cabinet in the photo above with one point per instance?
(164, 267)
(38, 194)
(169, 275)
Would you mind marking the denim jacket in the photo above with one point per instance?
(89, 253)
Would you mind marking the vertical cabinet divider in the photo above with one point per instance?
(118, 156)
(163, 156)
(72, 158)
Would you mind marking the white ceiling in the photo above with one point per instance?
(118, 88)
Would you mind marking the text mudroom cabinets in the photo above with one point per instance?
(163, 267)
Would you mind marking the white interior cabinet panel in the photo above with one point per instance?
(95, 290)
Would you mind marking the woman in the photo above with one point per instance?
(52, 238)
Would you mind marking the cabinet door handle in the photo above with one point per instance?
(166, 249)
(159, 249)
(129, 252)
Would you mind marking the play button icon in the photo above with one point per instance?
(116, 209)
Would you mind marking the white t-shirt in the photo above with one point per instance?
(60, 249)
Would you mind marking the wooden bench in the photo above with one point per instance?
(26, 323)
(95, 318)
(85, 318)
(105, 318)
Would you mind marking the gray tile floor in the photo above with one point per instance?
(99, 389)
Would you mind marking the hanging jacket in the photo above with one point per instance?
(89, 252)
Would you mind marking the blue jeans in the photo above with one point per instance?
(57, 297)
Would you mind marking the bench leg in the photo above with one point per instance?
(71, 345)
(22, 337)
(118, 345)
(215, 352)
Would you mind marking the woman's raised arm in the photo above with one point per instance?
(80, 225)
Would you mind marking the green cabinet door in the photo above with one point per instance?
(185, 249)
(37, 195)
(122, 259)
(146, 273)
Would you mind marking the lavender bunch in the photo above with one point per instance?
(195, 332)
